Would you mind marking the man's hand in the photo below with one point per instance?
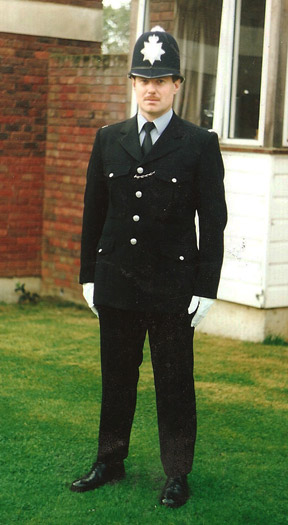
(88, 293)
(200, 305)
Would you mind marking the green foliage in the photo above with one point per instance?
(275, 340)
(50, 406)
(116, 29)
(26, 297)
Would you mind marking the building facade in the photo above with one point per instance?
(58, 89)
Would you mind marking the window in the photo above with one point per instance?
(222, 46)
(198, 32)
(246, 69)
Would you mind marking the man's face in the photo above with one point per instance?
(155, 95)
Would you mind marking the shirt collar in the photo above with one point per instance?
(160, 123)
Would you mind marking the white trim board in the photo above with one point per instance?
(50, 20)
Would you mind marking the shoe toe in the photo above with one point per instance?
(175, 492)
(98, 476)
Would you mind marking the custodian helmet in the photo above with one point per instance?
(156, 54)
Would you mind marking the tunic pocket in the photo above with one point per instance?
(177, 186)
(181, 253)
(105, 246)
(117, 182)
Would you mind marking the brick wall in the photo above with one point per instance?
(23, 103)
(55, 93)
(85, 92)
(162, 13)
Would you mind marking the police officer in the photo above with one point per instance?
(141, 267)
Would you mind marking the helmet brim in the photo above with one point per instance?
(154, 73)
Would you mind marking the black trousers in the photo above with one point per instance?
(171, 343)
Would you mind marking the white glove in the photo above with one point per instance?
(88, 293)
(202, 305)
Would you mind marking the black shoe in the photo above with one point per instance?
(100, 474)
(175, 492)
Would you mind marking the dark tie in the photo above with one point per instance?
(147, 142)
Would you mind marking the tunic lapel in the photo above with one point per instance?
(129, 139)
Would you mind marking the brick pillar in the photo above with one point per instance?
(85, 92)
(23, 102)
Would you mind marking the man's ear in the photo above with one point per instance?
(177, 84)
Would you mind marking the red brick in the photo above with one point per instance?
(56, 106)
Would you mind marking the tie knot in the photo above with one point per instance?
(148, 126)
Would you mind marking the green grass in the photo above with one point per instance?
(51, 392)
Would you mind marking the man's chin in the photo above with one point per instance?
(153, 111)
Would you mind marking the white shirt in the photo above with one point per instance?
(160, 123)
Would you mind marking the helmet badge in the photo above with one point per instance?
(152, 49)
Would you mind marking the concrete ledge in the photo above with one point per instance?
(50, 20)
(7, 287)
(246, 323)
(224, 319)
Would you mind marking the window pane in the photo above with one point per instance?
(197, 32)
(247, 65)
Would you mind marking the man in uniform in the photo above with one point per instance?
(142, 269)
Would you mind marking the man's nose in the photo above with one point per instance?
(151, 87)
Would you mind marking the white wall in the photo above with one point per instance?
(253, 291)
(277, 254)
(51, 20)
(255, 269)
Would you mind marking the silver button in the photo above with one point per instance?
(181, 258)
(111, 175)
(140, 170)
(138, 194)
(100, 250)
(133, 241)
(174, 180)
(136, 218)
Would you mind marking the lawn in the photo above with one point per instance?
(51, 392)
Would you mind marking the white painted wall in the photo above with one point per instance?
(255, 269)
(51, 20)
(277, 253)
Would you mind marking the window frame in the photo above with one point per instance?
(141, 26)
(224, 80)
(285, 120)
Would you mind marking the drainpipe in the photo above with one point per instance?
(141, 23)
